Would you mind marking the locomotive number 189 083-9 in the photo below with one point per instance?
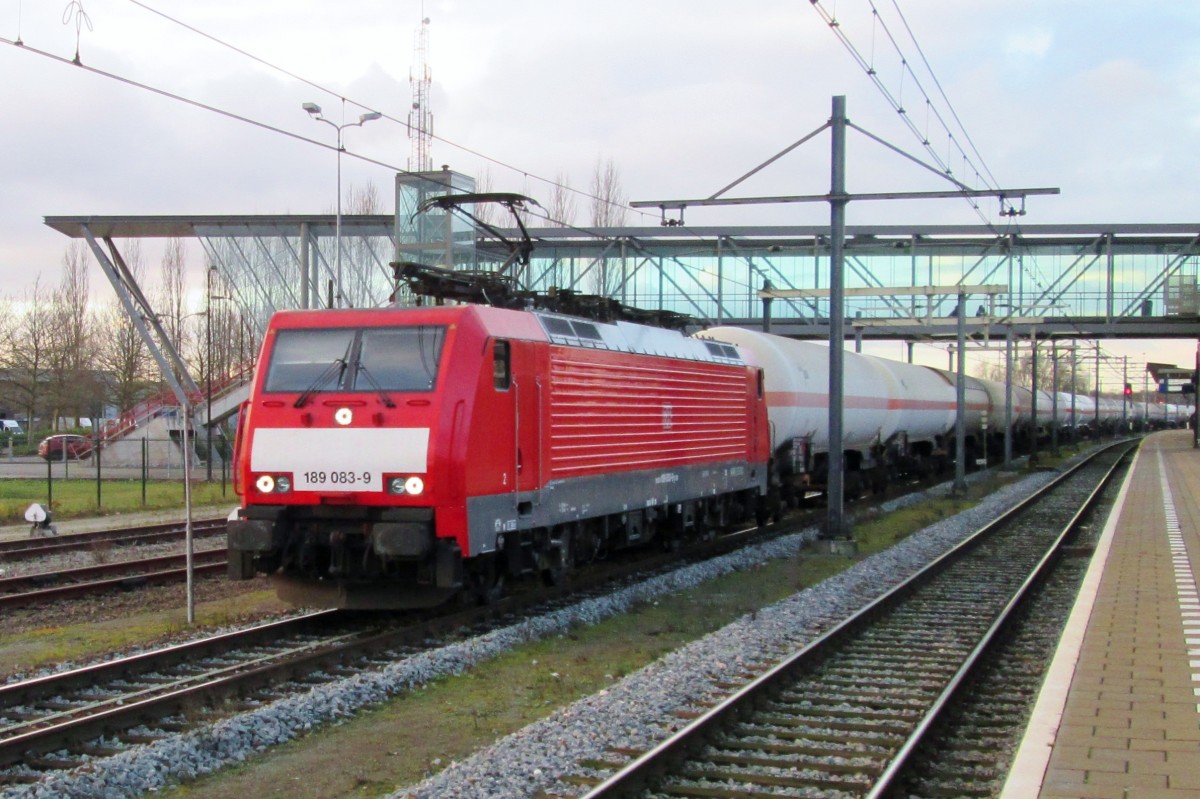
(338, 478)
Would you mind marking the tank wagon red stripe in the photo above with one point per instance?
(805, 399)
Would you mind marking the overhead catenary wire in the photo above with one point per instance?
(358, 156)
(332, 92)
(942, 92)
(895, 98)
(981, 172)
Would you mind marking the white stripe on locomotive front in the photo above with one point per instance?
(301, 451)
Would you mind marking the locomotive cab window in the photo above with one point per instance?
(355, 359)
(309, 359)
(501, 366)
(399, 358)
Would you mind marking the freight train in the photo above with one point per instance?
(398, 457)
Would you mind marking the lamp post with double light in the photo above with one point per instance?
(314, 111)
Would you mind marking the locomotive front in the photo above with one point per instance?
(336, 448)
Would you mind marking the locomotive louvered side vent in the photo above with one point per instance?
(637, 339)
(723, 352)
(575, 332)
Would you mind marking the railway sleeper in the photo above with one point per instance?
(733, 776)
(899, 701)
(810, 749)
(832, 762)
(808, 722)
(873, 659)
(863, 704)
(797, 732)
(52, 762)
(842, 712)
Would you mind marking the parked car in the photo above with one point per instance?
(77, 447)
(11, 431)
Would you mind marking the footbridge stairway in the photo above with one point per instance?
(152, 432)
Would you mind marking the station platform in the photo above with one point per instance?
(1118, 715)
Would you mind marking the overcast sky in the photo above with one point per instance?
(1098, 98)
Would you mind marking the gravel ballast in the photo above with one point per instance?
(627, 715)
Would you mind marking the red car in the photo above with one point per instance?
(77, 447)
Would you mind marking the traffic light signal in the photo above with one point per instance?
(1128, 389)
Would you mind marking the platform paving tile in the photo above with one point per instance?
(1130, 727)
(1126, 779)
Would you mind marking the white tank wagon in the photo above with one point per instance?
(981, 415)
(1063, 417)
(1110, 413)
(1085, 411)
(1174, 415)
(1045, 411)
(896, 415)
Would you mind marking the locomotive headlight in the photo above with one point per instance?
(343, 416)
(273, 484)
(412, 486)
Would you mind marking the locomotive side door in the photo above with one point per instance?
(528, 403)
(515, 375)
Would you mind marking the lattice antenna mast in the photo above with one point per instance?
(420, 116)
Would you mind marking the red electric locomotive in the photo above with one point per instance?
(394, 457)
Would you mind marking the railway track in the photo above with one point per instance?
(39, 587)
(844, 716)
(55, 722)
(59, 577)
(20, 549)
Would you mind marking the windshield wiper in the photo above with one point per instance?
(361, 369)
(338, 368)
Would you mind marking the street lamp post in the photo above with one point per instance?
(314, 111)
(208, 389)
(189, 544)
(208, 383)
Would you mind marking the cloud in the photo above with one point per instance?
(1030, 43)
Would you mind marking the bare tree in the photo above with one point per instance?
(121, 351)
(608, 198)
(363, 200)
(170, 304)
(1022, 372)
(561, 209)
(217, 344)
(26, 344)
(73, 385)
(608, 210)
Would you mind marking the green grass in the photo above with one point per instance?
(79, 641)
(76, 498)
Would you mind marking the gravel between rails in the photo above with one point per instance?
(629, 714)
